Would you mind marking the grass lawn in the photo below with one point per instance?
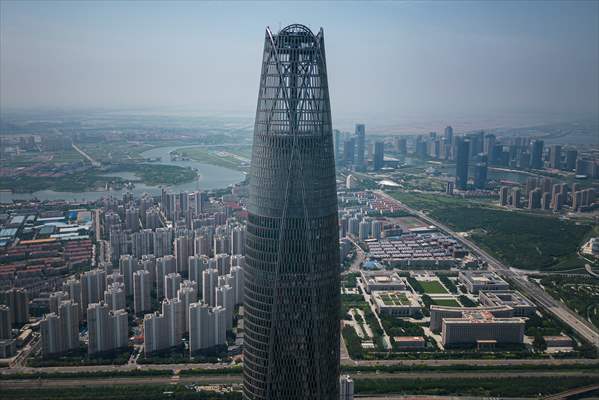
(432, 287)
(221, 156)
(393, 299)
(446, 302)
(520, 239)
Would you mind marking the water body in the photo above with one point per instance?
(211, 177)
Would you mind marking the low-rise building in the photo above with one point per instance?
(382, 280)
(409, 342)
(475, 281)
(475, 326)
(558, 341)
(521, 305)
(396, 303)
(439, 313)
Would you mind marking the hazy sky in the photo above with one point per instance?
(384, 59)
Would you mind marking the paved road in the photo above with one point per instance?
(538, 295)
(87, 156)
(344, 362)
(237, 378)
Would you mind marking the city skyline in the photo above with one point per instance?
(441, 59)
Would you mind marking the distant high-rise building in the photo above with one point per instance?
(164, 266)
(132, 219)
(93, 284)
(504, 195)
(114, 296)
(449, 134)
(187, 294)
(107, 330)
(546, 201)
(163, 242)
(127, 267)
(376, 229)
(238, 240)
(225, 298)
(571, 155)
(51, 335)
(449, 188)
(292, 295)
(68, 311)
(360, 143)
(349, 147)
(203, 245)
(516, 197)
(17, 301)
(5, 322)
(402, 146)
(555, 156)
(142, 289)
(197, 265)
(183, 249)
(379, 155)
(73, 288)
(207, 326)
(148, 263)
(534, 199)
(142, 242)
(55, 299)
(536, 154)
(346, 388)
(153, 218)
(172, 310)
(337, 144)
(480, 172)
(155, 333)
(171, 285)
(461, 176)
(209, 284)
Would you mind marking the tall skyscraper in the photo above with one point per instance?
(536, 154)
(379, 155)
(555, 156)
(360, 143)
(292, 295)
(461, 173)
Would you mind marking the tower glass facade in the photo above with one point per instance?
(292, 298)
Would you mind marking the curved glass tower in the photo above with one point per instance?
(292, 299)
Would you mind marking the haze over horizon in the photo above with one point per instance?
(434, 59)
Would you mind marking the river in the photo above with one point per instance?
(211, 177)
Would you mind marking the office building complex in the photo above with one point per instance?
(477, 326)
(292, 294)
